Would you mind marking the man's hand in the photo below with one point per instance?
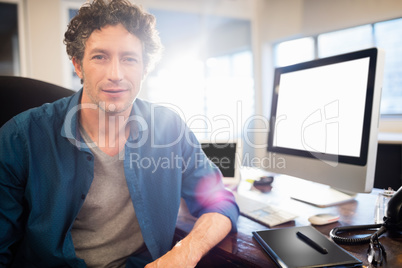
(208, 231)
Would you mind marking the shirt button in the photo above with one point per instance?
(82, 196)
(89, 157)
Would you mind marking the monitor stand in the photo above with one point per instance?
(322, 195)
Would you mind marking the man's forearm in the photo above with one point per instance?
(208, 231)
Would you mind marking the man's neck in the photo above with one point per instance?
(107, 130)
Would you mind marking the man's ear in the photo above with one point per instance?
(78, 67)
(144, 74)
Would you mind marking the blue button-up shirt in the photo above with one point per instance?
(46, 171)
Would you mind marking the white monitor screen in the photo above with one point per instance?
(323, 108)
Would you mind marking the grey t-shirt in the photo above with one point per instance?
(106, 231)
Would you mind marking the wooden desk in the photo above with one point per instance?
(241, 250)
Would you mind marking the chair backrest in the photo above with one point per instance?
(19, 94)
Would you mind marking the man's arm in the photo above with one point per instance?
(208, 231)
(12, 187)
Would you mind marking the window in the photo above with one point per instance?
(386, 35)
(210, 95)
(206, 72)
(294, 51)
(71, 79)
(229, 93)
(343, 41)
(389, 37)
(9, 45)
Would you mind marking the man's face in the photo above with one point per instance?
(112, 69)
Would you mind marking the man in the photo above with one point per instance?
(96, 179)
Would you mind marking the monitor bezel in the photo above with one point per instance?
(360, 160)
(233, 158)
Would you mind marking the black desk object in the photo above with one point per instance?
(285, 247)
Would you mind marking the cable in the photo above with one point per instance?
(376, 252)
(348, 240)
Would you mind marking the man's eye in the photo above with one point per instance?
(98, 57)
(132, 60)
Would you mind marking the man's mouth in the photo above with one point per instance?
(113, 90)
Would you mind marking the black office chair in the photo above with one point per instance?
(18, 94)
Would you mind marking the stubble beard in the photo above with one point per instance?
(110, 108)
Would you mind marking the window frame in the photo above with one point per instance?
(66, 5)
(22, 47)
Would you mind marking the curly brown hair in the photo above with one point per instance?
(100, 13)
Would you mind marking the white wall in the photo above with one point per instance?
(285, 19)
(320, 16)
(44, 40)
(241, 9)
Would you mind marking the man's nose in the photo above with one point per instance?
(115, 71)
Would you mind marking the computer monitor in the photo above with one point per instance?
(324, 123)
(227, 157)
